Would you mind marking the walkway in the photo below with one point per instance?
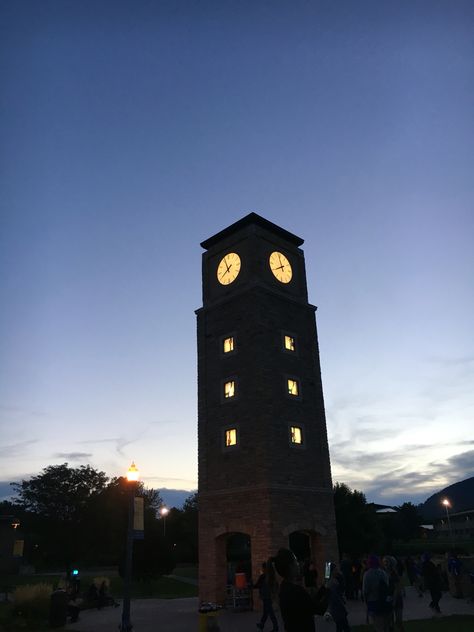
(179, 615)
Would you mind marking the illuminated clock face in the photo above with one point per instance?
(280, 266)
(228, 268)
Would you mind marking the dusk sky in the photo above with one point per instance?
(130, 131)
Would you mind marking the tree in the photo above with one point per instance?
(408, 522)
(55, 506)
(60, 492)
(357, 527)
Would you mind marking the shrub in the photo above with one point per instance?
(32, 600)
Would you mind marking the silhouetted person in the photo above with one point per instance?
(93, 595)
(346, 570)
(267, 590)
(310, 577)
(105, 598)
(395, 593)
(455, 571)
(337, 607)
(375, 591)
(297, 607)
(432, 580)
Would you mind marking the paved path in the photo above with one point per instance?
(180, 615)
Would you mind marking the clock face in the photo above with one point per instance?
(228, 268)
(280, 266)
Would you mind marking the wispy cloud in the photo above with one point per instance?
(166, 480)
(16, 449)
(72, 456)
(401, 483)
(20, 411)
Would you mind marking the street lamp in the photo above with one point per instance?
(132, 478)
(447, 506)
(164, 511)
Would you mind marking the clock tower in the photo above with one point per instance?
(264, 469)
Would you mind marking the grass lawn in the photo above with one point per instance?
(161, 588)
(458, 623)
(186, 571)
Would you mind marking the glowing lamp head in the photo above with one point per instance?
(446, 502)
(133, 473)
(164, 511)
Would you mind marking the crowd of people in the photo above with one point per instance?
(378, 581)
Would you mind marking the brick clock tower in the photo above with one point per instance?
(264, 469)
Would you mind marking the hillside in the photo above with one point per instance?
(460, 495)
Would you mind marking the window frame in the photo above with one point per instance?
(301, 426)
(230, 448)
(226, 354)
(296, 379)
(224, 381)
(295, 338)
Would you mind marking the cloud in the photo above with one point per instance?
(457, 467)
(19, 411)
(157, 480)
(72, 456)
(455, 361)
(16, 449)
(400, 484)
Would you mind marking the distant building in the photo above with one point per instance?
(462, 526)
(11, 545)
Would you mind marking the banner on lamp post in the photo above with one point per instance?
(138, 518)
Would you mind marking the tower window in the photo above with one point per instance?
(296, 435)
(289, 342)
(230, 437)
(229, 389)
(293, 387)
(228, 344)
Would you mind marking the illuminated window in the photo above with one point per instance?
(230, 437)
(228, 344)
(293, 387)
(296, 435)
(229, 389)
(290, 343)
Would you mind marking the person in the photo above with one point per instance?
(105, 598)
(410, 566)
(297, 607)
(357, 578)
(92, 595)
(73, 604)
(337, 608)
(418, 577)
(310, 577)
(346, 570)
(432, 581)
(375, 592)
(394, 615)
(455, 572)
(267, 589)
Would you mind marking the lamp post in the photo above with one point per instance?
(132, 478)
(447, 505)
(164, 511)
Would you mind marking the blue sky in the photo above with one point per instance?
(131, 131)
